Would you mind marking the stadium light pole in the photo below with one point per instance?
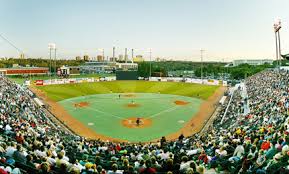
(55, 72)
(201, 50)
(277, 27)
(51, 46)
(276, 43)
(279, 43)
(50, 62)
(150, 62)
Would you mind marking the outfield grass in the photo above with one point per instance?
(20, 80)
(65, 91)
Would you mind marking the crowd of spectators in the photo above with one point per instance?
(257, 142)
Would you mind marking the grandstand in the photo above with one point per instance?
(249, 134)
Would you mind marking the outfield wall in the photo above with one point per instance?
(112, 78)
(189, 80)
(73, 80)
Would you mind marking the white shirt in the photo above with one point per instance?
(164, 156)
(40, 153)
(185, 165)
(239, 151)
(51, 161)
(8, 128)
(192, 152)
(10, 150)
(223, 153)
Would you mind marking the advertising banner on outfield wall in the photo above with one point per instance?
(189, 80)
(39, 82)
(75, 80)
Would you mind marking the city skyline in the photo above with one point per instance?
(176, 30)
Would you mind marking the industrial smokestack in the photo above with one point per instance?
(125, 55)
(103, 55)
(132, 55)
(113, 54)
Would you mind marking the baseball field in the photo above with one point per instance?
(131, 111)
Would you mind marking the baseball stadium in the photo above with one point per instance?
(144, 87)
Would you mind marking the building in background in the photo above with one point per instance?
(86, 57)
(125, 58)
(252, 61)
(99, 58)
(77, 58)
(120, 57)
(160, 59)
(138, 58)
(112, 59)
(14, 71)
(94, 67)
(22, 56)
(68, 70)
(126, 66)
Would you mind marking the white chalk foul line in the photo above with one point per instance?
(98, 110)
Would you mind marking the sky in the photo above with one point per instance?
(172, 29)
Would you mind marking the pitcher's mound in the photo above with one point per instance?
(180, 102)
(132, 105)
(81, 104)
(132, 122)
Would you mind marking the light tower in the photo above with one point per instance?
(277, 27)
(55, 72)
(201, 50)
(51, 46)
(150, 62)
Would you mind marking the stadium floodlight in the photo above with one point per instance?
(201, 51)
(51, 46)
(150, 62)
(277, 27)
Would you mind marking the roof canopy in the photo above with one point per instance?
(285, 56)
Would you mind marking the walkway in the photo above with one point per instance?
(244, 95)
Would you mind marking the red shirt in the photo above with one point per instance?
(204, 158)
(148, 170)
(20, 139)
(118, 148)
(265, 145)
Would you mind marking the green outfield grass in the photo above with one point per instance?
(66, 91)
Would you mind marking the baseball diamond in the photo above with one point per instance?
(132, 111)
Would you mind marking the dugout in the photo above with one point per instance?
(126, 75)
